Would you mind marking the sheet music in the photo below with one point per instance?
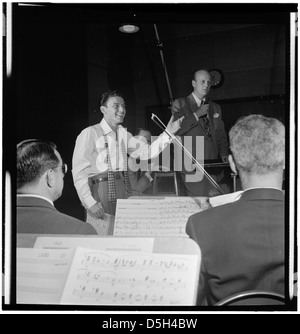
(41, 275)
(165, 217)
(103, 226)
(224, 199)
(104, 243)
(118, 278)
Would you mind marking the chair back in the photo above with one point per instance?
(253, 298)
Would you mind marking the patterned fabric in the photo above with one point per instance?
(112, 195)
(126, 175)
(206, 124)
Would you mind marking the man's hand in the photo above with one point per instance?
(203, 110)
(177, 107)
(174, 126)
(96, 211)
(224, 158)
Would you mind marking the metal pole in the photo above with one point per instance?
(160, 45)
(233, 175)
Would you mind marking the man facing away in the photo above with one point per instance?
(242, 243)
(40, 182)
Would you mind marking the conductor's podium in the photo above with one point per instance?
(169, 183)
(166, 184)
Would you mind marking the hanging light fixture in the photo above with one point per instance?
(129, 28)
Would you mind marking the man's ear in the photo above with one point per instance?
(232, 164)
(193, 83)
(50, 178)
(103, 110)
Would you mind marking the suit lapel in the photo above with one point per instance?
(194, 107)
(192, 103)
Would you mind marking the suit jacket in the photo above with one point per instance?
(217, 144)
(242, 245)
(35, 215)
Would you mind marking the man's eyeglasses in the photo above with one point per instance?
(64, 168)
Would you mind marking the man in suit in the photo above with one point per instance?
(242, 243)
(40, 182)
(203, 119)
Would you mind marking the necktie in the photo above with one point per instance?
(206, 122)
(126, 175)
(206, 125)
(112, 195)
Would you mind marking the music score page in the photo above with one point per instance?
(156, 217)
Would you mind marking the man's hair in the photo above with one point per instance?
(138, 130)
(257, 144)
(107, 95)
(201, 70)
(34, 158)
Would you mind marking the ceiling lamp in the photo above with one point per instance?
(129, 28)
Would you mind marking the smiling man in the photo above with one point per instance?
(100, 171)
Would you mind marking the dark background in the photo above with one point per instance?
(66, 55)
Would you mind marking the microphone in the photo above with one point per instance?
(203, 102)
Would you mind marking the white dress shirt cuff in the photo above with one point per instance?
(166, 138)
(149, 176)
(196, 116)
(89, 202)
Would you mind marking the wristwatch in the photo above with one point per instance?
(217, 78)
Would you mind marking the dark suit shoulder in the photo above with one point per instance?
(213, 103)
(209, 219)
(46, 219)
(214, 211)
(74, 225)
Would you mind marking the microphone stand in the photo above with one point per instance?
(160, 46)
(156, 120)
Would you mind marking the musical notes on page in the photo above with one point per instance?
(151, 217)
(118, 278)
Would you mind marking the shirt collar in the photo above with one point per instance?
(198, 101)
(262, 188)
(106, 128)
(263, 193)
(37, 196)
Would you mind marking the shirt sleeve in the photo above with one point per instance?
(139, 149)
(149, 176)
(196, 116)
(81, 166)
